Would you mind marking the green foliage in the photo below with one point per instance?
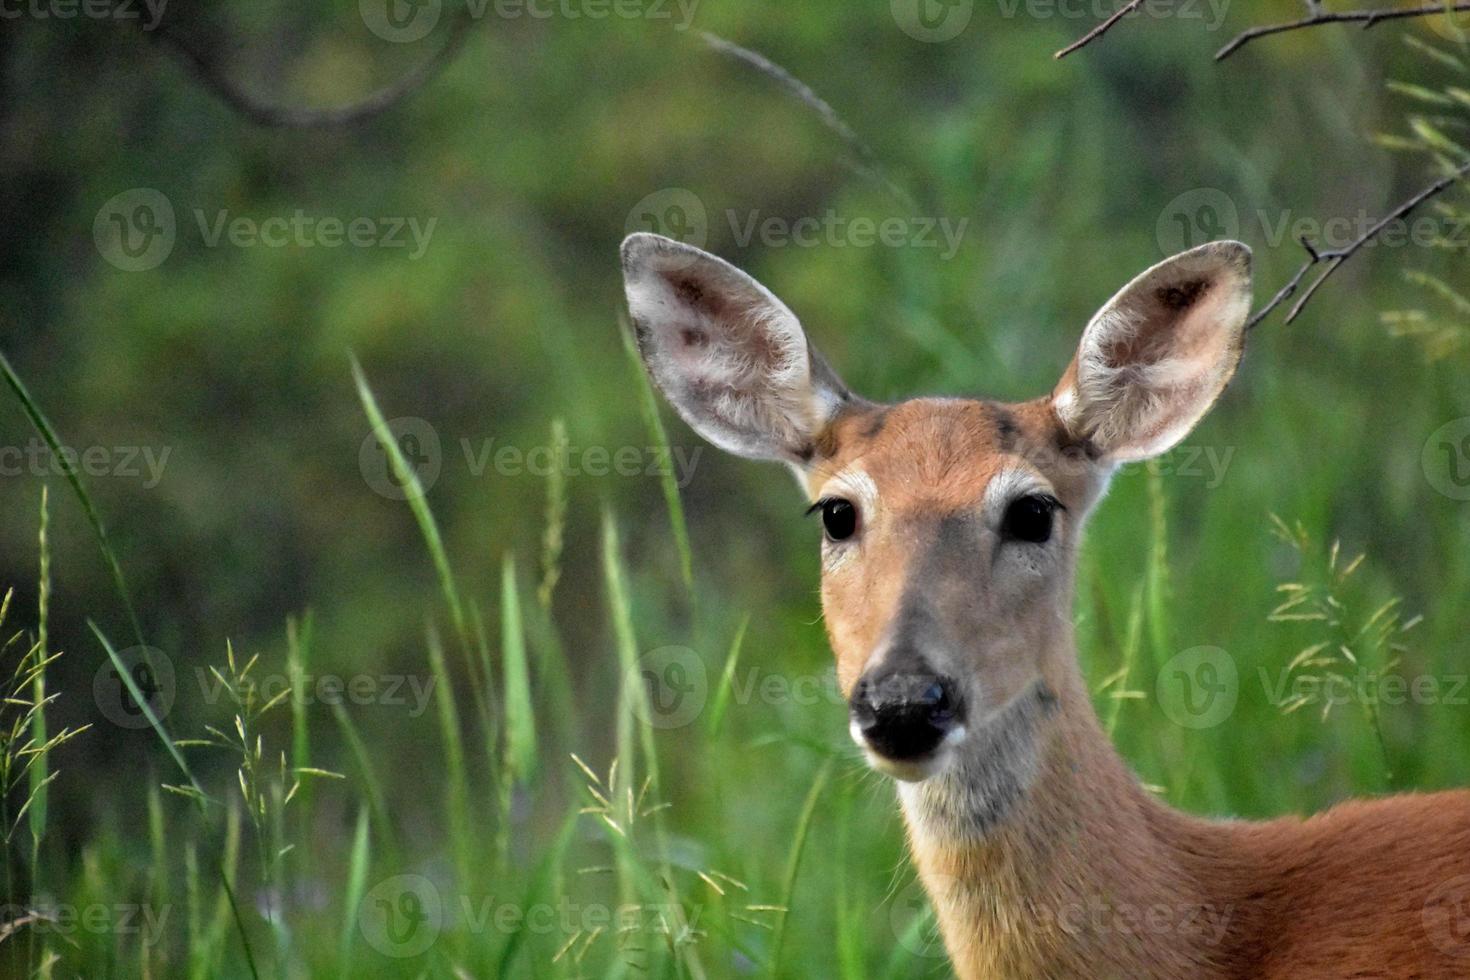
(540, 804)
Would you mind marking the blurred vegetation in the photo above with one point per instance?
(752, 833)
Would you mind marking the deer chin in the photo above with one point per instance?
(913, 770)
(985, 777)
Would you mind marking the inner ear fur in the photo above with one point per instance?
(1158, 354)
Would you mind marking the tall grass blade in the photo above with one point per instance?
(1132, 644)
(200, 797)
(723, 693)
(648, 406)
(793, 862)
(40, 765)
(633, 709)
(126, 676)
(633, 693)
(357, 872)
(458, 799)
(520, 716)
(547, 874)
(298, 655)
(553, 537)
(159, 894)
(69, 470)
(368, 776)
(1158, 568)
(418, 504)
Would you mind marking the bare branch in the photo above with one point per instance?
(1099, 30)
(866, 162)
(1318, 16)
(291, 117)
(1336, 257)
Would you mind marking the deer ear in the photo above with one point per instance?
(1155, 358)
(730, 357)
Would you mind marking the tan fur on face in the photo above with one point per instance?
(1087, 875)
(925, 458)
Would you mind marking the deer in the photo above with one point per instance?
(951, 529)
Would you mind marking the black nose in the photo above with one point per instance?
(904, 714)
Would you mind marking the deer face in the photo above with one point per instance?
(949, 526)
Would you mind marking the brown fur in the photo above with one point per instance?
(1090, 876)
(1044, 856)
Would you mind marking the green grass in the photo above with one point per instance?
(640, 866)
(539, 817)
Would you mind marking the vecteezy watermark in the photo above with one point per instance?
(422, 453)
(142, 676)
(595, 461)
(674, 212)
(676, 691)
(36, 458)
(932, 21)
(835, 231)
(678, 213)
(913, 922)
(912, 919)
(1201, 215)
(1208, 463)
(47, 917)
(1446, 459)
(1206, 924)
(1364, 687)
(1198, 688)
(406, 21)
(150, 12)
(1212, 12)
(137, 230)
(418, 448)
(1205, 214)
(410, 691)
(403, 916)
(675, 686)
(302, 230)
(1446, 917)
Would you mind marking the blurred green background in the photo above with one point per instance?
(522, 164)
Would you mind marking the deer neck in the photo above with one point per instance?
(1044, 857)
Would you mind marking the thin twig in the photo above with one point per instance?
(866, 162)
(1336, 257)
(291, 117)
(1099, 30)
(1365, 17)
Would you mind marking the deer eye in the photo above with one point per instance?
(839, 518)
(1029, 518)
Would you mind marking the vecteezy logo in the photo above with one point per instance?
(1446, 459)
(135, 230)
(1446, 917)
(675, 686)
(418, 444)
(1199, 687)
(1195, 217)
(673, 212)
(151, 673)
(912, 919)
(933, 21)
(400, 21)
(402, 916)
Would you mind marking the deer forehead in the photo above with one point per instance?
(935, 455)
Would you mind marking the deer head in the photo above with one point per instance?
(950, 526)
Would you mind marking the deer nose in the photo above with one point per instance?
(904, 713)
